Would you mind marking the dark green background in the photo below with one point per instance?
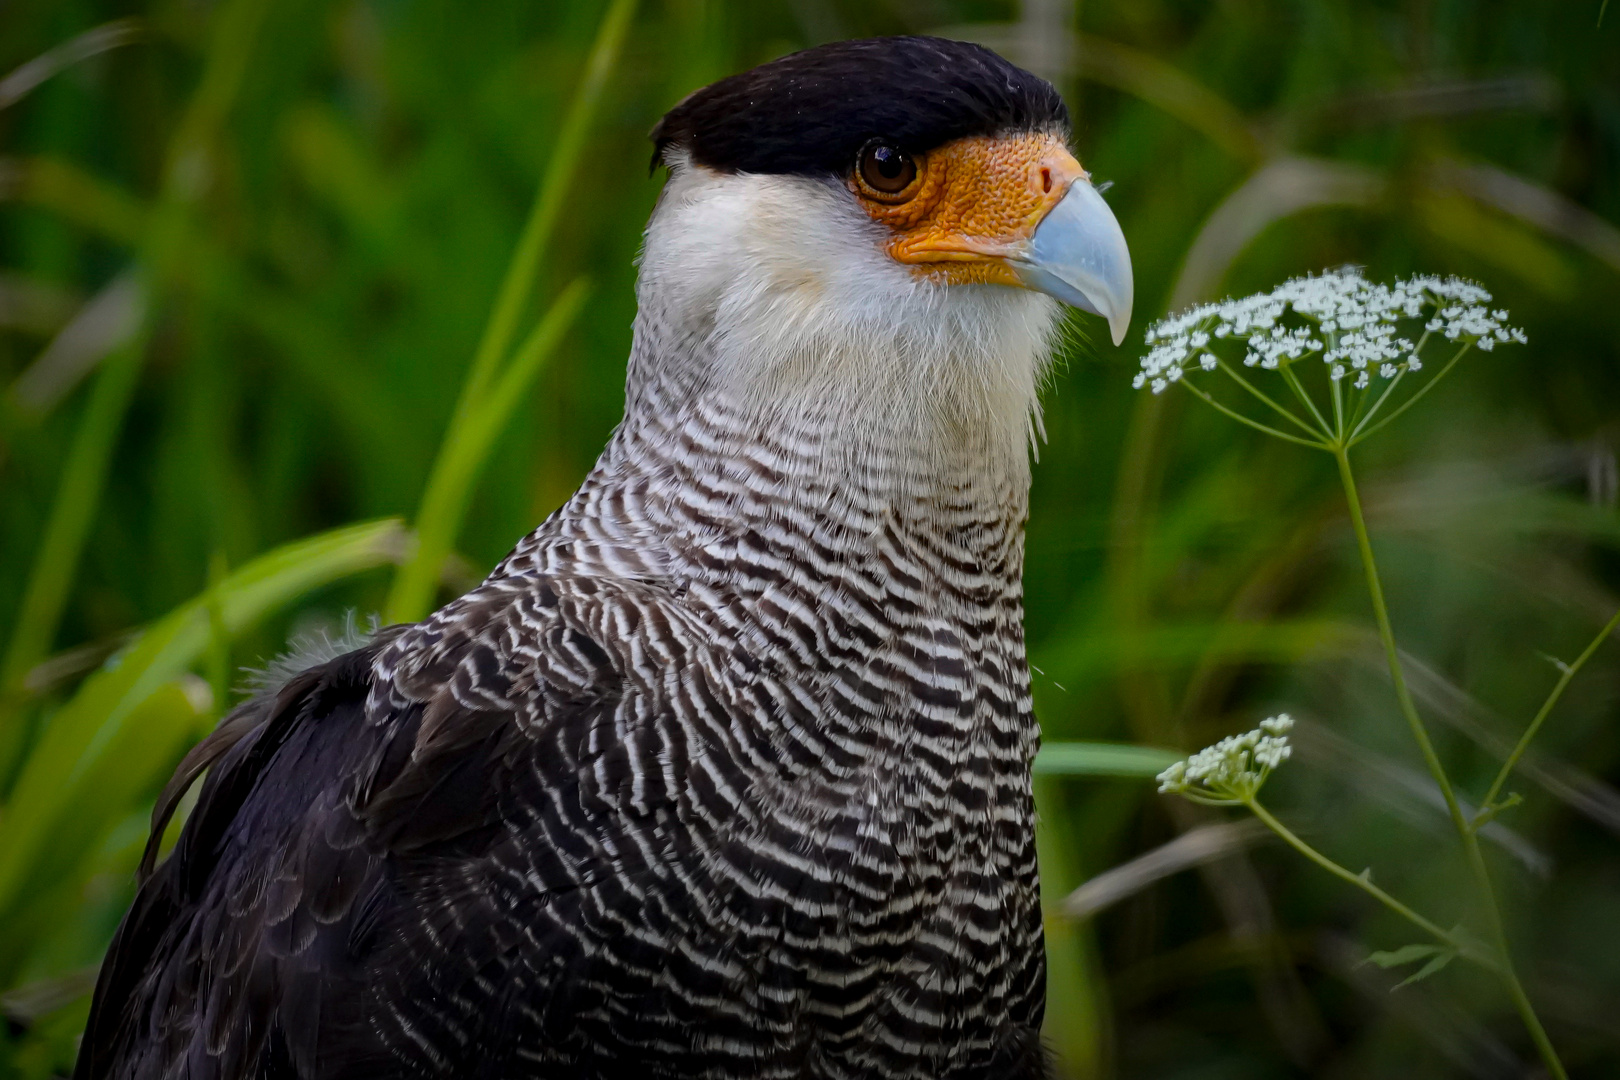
(362, 193)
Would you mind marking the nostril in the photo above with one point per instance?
(1046, 180)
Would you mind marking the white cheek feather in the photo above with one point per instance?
(779, 289)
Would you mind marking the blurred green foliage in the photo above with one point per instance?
(248, 252)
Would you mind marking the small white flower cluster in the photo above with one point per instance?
(1233, 769)
(1354, 327)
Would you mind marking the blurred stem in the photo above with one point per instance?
(439, 517)
(1365, 884)
(1077, 1021)
(1470, 842)
(462, 456)
(1569, 671)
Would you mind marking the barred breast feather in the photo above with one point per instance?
(750, 803)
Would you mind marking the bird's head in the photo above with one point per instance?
(891, 218)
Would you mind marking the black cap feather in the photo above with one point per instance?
(811, 112)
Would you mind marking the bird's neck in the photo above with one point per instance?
(830, 455)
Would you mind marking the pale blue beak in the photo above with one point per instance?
(1078, 255)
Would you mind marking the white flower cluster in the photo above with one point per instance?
(1352, 324)
(1233, 769)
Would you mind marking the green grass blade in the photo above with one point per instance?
(78, 494)
(137, 760)
(462, 456)
(361, 403)
(439, 517)
(1170, 88)
(1104, 759)
(1078, 1020)
(23, 80)
(79, 739)
(518, 285)
(66, 190)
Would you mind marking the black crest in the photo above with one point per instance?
(812, 111)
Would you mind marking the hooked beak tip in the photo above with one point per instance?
(1078, 255)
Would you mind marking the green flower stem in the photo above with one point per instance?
(1240, 418)
(1546, 707)
(1251, 388)
(1356, 437)
(1293, 382)
(1335, 391)
(1378, 403)
(1463, 948)
(1386, 635)
(1470, 842)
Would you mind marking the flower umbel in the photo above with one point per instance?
(1358, 330)
(1232, 770)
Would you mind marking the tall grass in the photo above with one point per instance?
(490, 395)
(332, 205)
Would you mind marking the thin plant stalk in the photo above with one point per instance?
(439, 517)
(1251, 388)
(1414, 399)
(518, 285)
(1257, 425)
(1464, 828)
(1299, 391)
(1569, 672)
(1336, 392)
(1365, 884)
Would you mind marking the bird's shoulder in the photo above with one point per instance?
(333, 795)
(550, 640)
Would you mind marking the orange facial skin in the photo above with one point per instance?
(973, 203)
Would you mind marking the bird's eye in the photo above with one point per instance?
(886, 169)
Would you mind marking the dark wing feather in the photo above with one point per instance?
(191, 976)
(342, 835)
(239, 955)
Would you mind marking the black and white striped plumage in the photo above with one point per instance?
(725, 770)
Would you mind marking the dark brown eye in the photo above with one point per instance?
(886, 169)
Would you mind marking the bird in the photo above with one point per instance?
(725, 770)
